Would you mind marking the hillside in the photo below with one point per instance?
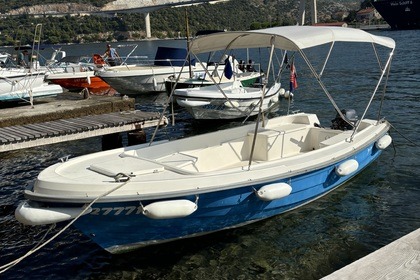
(166, 23)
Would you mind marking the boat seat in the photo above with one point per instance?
(285, 140)
(218, 157)
(335, 139)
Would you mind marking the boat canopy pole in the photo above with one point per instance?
(270, 63)
(281, 64)
(260, 113)
(168, 100)
(217, 84)
(377, 56)
(326, 59)
(383, 92)
(129, 54)
(214, 81)
(385, 70)
(318, 78)
(187, 30)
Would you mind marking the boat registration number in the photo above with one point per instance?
(128, 210)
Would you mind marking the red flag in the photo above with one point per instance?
(293, 77)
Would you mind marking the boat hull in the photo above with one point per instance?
(216, 210)
(139, 79)
(45, 90)
(19, 80)
(399, 14)
(137, 84)
(247, 79)
(17, 85)
(80, 81)
(212, 105)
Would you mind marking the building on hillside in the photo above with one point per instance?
(368, 14)
(340, 16)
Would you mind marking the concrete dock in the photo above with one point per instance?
(397, 260)
(64, 106)
(70, 117)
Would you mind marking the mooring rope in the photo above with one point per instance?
(39, 246)
(402, 135)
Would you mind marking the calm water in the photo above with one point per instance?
(377, 207)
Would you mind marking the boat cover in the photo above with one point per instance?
(292, 38)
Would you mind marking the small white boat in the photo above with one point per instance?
(230, 100)
(146, 78)
(163, 191)
(247, 79)
(77, 73)
(17, 84)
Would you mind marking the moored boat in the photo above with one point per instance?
(76, 73)
(153, 193)
(17, 84)
(399, 14)
(246, 79)
(230, 100)
(150, 77)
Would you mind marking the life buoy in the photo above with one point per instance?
(98, 60)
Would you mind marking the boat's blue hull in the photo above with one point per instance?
(121, 226)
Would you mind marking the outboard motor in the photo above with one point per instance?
(339, 123)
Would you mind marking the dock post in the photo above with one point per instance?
(111, 141)
(136, 137)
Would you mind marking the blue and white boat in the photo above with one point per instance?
(153, 193)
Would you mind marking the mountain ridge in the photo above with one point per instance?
(166, 23)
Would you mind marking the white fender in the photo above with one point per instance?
(170, 209)
(282, 92)
(347, 167)
(275, 98)
(232, 104)
(286, 94)
(34, 216)
(155, 86)
(383, 142)
(274, 191)
(191, 103)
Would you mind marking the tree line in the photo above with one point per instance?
(165, 23)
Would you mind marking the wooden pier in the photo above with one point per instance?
(70, 118)
(397, 260)
(37, 134)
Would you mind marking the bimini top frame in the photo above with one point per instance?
(296, 38)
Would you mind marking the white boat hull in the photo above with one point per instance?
(18, 80)
(139, 79)
(209, 103)
(18, 84)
